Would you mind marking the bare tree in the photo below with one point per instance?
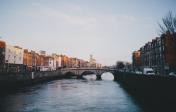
(174, 22)
(168, 23)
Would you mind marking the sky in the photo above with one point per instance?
(110, 30)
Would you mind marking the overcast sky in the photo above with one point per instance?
(109, 29)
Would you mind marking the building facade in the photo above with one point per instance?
(159, 54)
(169, 51)
(17, 59)
(14, 58)
(27, 60)
(92, 62)
(136, 57)
(2, 56)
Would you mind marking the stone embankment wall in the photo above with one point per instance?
(21, 79)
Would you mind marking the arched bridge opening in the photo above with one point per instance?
(84, 72)
(87, 73)
(69, 74)
(105, 75)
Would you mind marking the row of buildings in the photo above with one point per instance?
(159, 54)
(17, 59)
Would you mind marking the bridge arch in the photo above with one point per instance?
(107, 75)
(87, 73)
(97, 73)
(69, 74)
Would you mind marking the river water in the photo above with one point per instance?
(71, 95)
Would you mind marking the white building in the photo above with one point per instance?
(42, 52)
(13, 55)
(51, 63)
(57, 61)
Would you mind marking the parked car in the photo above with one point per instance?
(148, 71)
(172, 73)
(138, 72)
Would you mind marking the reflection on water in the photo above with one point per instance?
(104, 76)
(92, 77)
(107, 76)
(70, 95)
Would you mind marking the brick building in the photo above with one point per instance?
(136, 57)
(159, 54)
(2, 56)
(27, 60)
(170, 51)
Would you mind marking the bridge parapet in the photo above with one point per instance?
(80, 71)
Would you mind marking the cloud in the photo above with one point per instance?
(73, 14)
(63, 16)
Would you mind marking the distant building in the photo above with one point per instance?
(13, 55)
(169, 51)
(42, 52)
(14, 58)
(160, 54)
(98, 65)
(51, 63)
(27, 60)
(75, 63)
(136, 57)
(57, 61)
(92, 62)
(2, 56)
(48, 64)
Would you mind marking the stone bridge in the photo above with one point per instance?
(80, 72)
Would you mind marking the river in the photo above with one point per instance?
(71, 95)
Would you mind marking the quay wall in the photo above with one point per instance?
(28, 78)
(155, 91)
